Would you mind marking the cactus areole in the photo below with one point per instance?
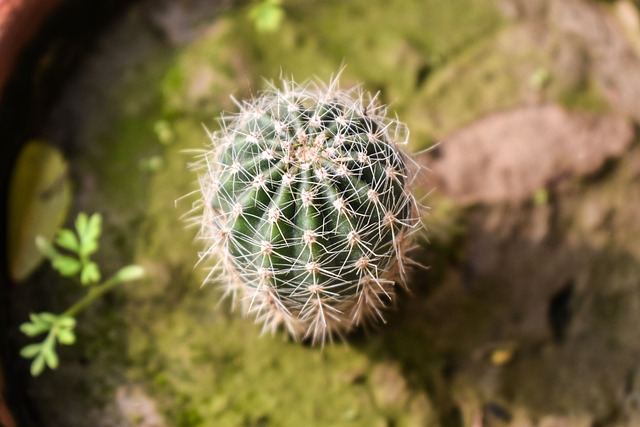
(307, 207)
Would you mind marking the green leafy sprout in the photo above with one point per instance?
(70, 255)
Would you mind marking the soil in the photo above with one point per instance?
(525, 116)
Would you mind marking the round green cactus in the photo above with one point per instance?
(307, 208)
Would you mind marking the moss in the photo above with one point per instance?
(392, 47)
(201, 77)
(586, 97)
(486, 77)
(509, 68)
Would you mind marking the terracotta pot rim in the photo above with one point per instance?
(19, 23)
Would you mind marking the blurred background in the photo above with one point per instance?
(525, 114)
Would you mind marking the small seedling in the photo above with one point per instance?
(70, 255)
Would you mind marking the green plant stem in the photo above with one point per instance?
(51, 336)
(93, 293)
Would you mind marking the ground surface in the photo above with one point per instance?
(529, 313)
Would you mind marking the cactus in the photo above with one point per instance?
(307, 208)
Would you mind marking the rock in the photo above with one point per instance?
(138, 408)
(522, 9)
(389, 387)
(628, 15)
(421, 412)
(507, 156)
(614, 63)
(566, 421)
(183, 21)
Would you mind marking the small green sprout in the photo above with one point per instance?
(541, 197)
(540, 79)
(71, 258)
(163, 131)
(267, 15)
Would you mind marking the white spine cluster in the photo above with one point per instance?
(307, 208)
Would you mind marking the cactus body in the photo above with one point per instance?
(307, 205)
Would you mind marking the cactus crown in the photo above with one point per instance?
(307, 206)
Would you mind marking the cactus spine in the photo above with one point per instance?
(307, 208)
